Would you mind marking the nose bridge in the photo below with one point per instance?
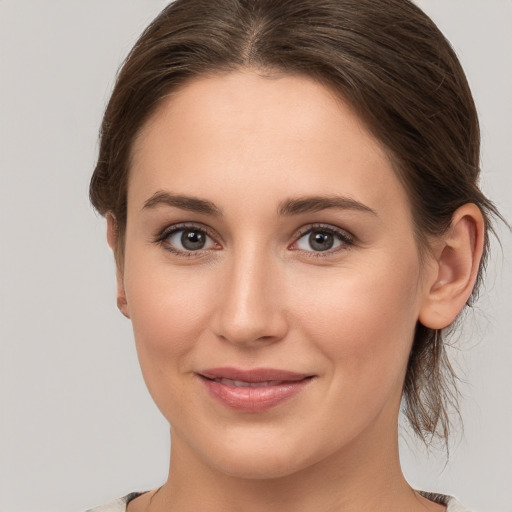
(250, 309)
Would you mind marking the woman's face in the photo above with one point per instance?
(271, 274)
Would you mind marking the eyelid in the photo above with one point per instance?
(347, 238)
(163, 235)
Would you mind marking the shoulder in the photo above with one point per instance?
(452, 505)
(118, 505)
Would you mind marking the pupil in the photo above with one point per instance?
(192, 240)
(321, 241)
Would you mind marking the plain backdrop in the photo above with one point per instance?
(77, 426)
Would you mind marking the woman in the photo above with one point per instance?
(291, 197)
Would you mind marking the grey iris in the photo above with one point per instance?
(321, 241)
(192, 240)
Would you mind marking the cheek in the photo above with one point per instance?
(363, 320)
(169, 312)
(164, 311)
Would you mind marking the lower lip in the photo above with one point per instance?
(254, 398)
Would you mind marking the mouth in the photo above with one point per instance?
(243, 384)
(253, 390)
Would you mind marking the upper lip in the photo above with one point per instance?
(253, 375)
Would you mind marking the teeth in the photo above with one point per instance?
(243, 384)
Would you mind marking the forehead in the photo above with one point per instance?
(277, 134)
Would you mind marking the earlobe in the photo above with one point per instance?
(112, 238)
(455, 269)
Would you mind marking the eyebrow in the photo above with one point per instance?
(287, 207)
(312, 204)
(191, 204)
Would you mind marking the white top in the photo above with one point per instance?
(119, 505)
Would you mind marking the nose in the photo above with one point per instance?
(251, 308)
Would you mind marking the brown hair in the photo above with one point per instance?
(385, 57)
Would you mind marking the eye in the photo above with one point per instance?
(323, 239)
(187, 239)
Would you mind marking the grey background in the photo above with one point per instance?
(77, 426)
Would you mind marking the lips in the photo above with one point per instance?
(253, 390)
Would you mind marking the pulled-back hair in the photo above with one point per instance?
(386, 58)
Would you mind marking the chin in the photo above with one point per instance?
(262, 467)
(262, 458)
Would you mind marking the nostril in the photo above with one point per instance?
(251, 335)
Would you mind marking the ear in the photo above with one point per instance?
(112, 238)
(455, 268)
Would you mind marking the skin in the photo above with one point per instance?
(258, 295)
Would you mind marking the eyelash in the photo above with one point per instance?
(345, 239)
(163, 237)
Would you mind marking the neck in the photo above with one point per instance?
(352, 480)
